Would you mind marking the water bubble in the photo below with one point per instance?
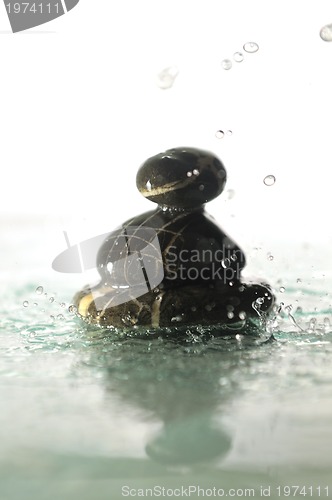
(220, 134)
(60, 316)
(189, 174)
(298, 280)
(35, 304)
(39, 290)
(238, 56)
(195, 171)
(282, 289)
(201, 187)
(270, 256)
(208, 307)
(234, 258)
(250, 47)
(226, 64)
(51, 299)
(166, 77)
(299, 310)
(260, 301)
(72, 309)
(326, 33)
(269, 180)
(229, 132)
(242, 315)
(62, 304)
(26, 303)
(230, 315)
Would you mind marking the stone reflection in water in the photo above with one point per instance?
(180, 386)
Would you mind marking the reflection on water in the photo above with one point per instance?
(87, 406)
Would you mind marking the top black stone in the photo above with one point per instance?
(182, 178)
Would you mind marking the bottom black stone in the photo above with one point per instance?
(234, 306)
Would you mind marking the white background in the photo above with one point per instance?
(80, 111)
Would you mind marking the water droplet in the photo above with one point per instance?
(220, 134)
(166, 77)
(282, 289)
(312, 324)
(35, 304)
(327, 325)
(229, 132)
(62, 304)
(26, 303)
(269, 180)
(242, 315)
(51, 299)
(208, 307)
(189, 174)
(226, 64)
(195, 171)
(230, 315)
(201, 187)
(270, 256)
(225, 263)
(39, 290)
(193, 308)
(176, 318)
(230, 193)
(60, 316)
(72, 309)
(238, 56)
(326, 33)
(250, 47)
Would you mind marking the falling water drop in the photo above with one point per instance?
(250, 47)
(39, 290)
(326, 33)
(220, 134)
(269, 180)
(166, 77)
(238, 56)
(226, 64)
(230, 193)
